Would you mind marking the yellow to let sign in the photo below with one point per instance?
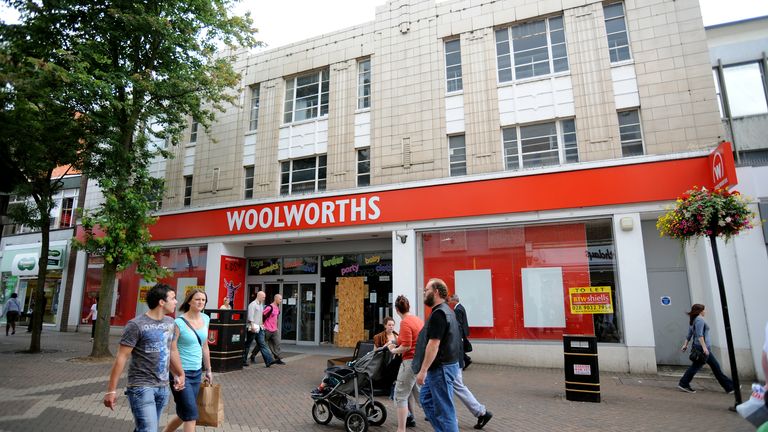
(591, 300)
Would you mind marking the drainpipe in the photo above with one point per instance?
(727, 107)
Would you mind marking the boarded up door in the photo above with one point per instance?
(351, 293)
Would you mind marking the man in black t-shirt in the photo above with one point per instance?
(440, 365)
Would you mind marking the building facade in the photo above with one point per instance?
(520, 151)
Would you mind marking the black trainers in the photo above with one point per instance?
(278, 361)
(410, 422)
(687, 389)
(483, 419)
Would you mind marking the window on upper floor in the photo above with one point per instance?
(187, 191)
(539, 145)
(631, 133)
(304, 175)
(254, 120)
(364, 84)
(248, 187)
(744, 86)
(62, 213)
(306, 96)
(193, 131)
(616, 31)
(531, 49)
(453, 65)
(457, 153)
(364, 166)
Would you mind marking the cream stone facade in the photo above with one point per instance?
(667, 78)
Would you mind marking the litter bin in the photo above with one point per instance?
(226, 337)
(582, 375)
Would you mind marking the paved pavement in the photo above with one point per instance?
(54, 393)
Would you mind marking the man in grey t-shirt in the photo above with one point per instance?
(147, 341)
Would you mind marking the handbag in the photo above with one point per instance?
(467, 345)
(697, 355)
(210, 405)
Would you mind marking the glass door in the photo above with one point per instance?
(308, 329)
(288, 314)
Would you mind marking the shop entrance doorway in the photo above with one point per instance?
(299, 320)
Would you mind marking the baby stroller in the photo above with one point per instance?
(347, 394)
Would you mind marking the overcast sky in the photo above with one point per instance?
(281, 22)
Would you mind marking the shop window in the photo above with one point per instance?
(306, 96)
(248, 182)
(364, 84)
(364, 167)
(521, 261)
(531, 49)
(541, 144)
(630, 133)
(264, 266)
(616, 31)
(305, 175)
(300, 265)
(457, 152)
(453, 66)
(255, 96)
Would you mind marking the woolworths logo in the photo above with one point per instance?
(27, 263)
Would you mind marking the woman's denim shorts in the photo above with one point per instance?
(186, 399)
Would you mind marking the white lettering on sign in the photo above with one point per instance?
(718, 170)
(292, 215)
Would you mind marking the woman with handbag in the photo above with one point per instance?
(191, 340)
(698, 333)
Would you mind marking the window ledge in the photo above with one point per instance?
(455, 93)
(302, 122)
(251, 132)
(362, 110)
(534, 79)
(623, 63)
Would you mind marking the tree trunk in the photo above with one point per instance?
(39, 294)
(103, 319)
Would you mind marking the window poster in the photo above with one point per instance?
(543, 297)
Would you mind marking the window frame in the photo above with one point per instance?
(458, 166)
(632, 142)
(730, 91)
(563, 134)
(363, 167)
(617, 49)
(320, 175)
(187, 191)
(320, 98)
(364, 84)
(253, 121)
(248, 179)
(510, 53)
(193, 129)
(456, 81)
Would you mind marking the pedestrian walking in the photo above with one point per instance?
(92, 315)
(191, 341)
(272, 334)
(461, 317)
(255, 330)
(698, 333)
(440, 365)
(147, 342)
(406, 389)
(11, 311)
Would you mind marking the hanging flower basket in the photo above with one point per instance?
(701, 212)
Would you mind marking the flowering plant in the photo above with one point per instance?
(701, 212)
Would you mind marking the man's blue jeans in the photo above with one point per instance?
(261, 345)
(437, 398)
(147, 403)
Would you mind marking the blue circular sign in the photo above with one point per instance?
(666, 300)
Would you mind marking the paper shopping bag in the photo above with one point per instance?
(754, 410)
(210, 405)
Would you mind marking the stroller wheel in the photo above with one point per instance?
(321, 412)
(376, 413)
(355, 421)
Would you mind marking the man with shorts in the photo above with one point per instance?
(406, 388)
(440, 365)
(147, 341)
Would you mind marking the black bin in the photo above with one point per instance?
(582, 375)
(226, 338)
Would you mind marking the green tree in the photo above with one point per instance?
(41, 131)
(135, 63)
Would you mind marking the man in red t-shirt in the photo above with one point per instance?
(406, 387)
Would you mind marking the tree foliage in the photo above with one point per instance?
(138, 70)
